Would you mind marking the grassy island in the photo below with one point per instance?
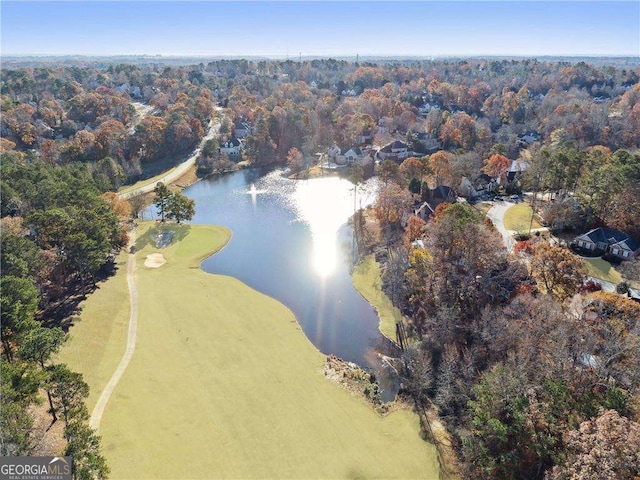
(223, 382)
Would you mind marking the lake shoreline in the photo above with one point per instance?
(217, 379)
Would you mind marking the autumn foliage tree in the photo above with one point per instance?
(440, 167)
(121, 207)
(497, 166)
(390, 205)
(557, 270)
(605, 447)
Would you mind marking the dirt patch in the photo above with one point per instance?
(359, 382)
(187, 179)
(46, 439)
(154, 260)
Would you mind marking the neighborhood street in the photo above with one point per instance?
(179, 170)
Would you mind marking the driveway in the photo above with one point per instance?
(496, 215)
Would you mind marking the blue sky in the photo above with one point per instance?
(320, 28)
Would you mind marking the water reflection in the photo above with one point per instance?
(292, 242)
(325, 206)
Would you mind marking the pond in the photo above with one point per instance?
(291, 240)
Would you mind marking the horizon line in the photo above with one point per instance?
(294, 57)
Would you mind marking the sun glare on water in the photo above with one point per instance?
(325, 205)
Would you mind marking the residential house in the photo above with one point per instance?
(232, 147)
(609, 241)
(350, 156)
(333, 152)
(467, 189)
(429, 142)
(440, 194)
(364, 139)
(424, 110)
(484, 183)
(516, 168)
(241, 129)
(423, 211)
(530, 137)
(431, 199)
(395, 150)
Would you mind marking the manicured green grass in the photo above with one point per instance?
(366, 279)
(518, 218)
(224, 384)
(599, 268)
(99, 338)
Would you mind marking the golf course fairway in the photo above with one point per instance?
(223, 382)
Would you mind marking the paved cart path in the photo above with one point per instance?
(98, 410)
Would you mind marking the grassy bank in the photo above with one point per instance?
(366, 279)
(224, 384)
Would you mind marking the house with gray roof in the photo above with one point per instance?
(609, 241)
(232, 147)
(350, 156)
(241, 129)
(395, 150)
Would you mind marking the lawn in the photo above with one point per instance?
(99, 338)
(224, 384)
(366, 279)
(518, 218)
(599, 268)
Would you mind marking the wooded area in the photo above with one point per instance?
(529, 367)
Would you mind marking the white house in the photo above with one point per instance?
(396, 150)
(350, 156)
(232, 147)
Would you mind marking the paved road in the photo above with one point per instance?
(98, 410)
(178, 171)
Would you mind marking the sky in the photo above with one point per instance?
(279, 29)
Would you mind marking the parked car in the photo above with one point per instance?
(514, 197)
(499, 198)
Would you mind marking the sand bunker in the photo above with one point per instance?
(154, 260)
